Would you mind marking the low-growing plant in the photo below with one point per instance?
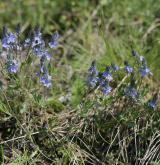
(32, 51)
(113, 123)
(124, 81)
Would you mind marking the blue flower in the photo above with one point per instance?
(37, 41)
(106, 89)
(153, 102)
(11, 38)
(8, 39)
(46, 55)
(53, 41)
(92, 81)
(128, 68)
(37, 38)
(12, 66)
(115, 67)
(144, 70)
(46, 80)
(93, 70)
(106, 74)
(37, 50)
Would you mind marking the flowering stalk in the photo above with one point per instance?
(35, 46)
(104, 80)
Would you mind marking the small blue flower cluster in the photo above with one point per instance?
(143, 69)
(102, 80)
(34, 44)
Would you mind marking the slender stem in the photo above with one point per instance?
(17, 138)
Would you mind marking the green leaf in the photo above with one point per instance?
(3, 108)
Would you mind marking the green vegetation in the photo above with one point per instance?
(68, 124)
